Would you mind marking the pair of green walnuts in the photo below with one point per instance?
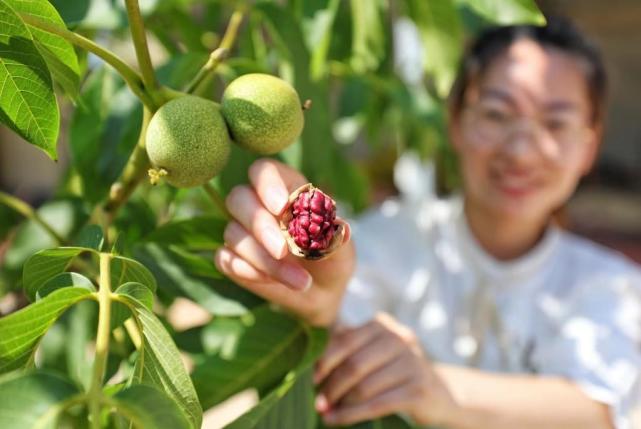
(189, 138)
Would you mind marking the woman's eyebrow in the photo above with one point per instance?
(495, 93)
(552, 106)
(561, 106)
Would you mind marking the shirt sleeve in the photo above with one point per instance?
(597, 345)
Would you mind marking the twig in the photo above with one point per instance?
(220, 53)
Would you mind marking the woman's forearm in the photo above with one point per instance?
(496, 401)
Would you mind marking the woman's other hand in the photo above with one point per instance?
(379, 369)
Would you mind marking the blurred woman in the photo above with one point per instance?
(477, 311)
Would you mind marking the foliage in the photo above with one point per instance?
(108, 237)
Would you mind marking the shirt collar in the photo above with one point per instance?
(530, 264)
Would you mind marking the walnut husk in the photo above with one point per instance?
(335, 243)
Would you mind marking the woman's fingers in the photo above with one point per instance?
(392, 401)
(241, 242)
(385, 378)
(247, 276)
(358, 366)
(235, 267)
(244, 206)
(341, 345)
(273, 182)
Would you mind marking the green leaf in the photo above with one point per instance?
(103, 132)
(21, 331)
(125, 270)
(388, 422)
(318, 32)
(27, 102)
(506, 12)
(159, 363)
(120, 312)
(63, 280)
(271, 344)
(58, 53)
(316, 342)
(182, 274)
(180, 69)
(46, 264)
(137, 218)
(34, 400)
(91, 237)
(442, 35)
(137, 291)
(368, 41)
(235, 172)
(198, 233)
(289, 41)
(80, 335)
(296, 409)
(72, 12)
(148, 407)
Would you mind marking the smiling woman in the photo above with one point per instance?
(477, 311)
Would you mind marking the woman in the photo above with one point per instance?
(477, 311)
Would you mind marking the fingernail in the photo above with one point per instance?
(296, 276)
(276, 199)
(274, 241)
(321, 404)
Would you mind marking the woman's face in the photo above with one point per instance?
(524, 135)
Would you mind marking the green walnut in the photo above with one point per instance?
(263, 113)
(187, 141)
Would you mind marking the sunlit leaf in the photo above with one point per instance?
(21, 331)
(269, 346)
(27, 102)
(316, 342)
(148, 407)
(442, 35)
(159, 363)
(46, 264)
(58, 53)
(506, 11)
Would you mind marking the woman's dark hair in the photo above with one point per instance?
(559, 33)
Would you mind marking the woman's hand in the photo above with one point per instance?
(379, 369)
(256, 255)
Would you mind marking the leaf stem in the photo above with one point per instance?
(27, 211)
(137, 27)
(219, 54)
(102, 340)
(217, 199)
(133, 79)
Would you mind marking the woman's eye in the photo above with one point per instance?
(495, 115)
(556, 125)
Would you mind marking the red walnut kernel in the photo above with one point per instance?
(309, 223)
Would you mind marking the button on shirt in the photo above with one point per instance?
(567, 308)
